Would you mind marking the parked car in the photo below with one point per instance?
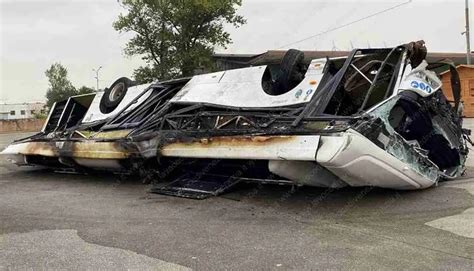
(377, 117)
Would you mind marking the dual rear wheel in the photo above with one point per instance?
(115, 94)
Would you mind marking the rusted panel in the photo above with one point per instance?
(32, 148)
(101, 150)
(43, 148)
(112, 134)
(85, 149)
(239, 140)
(246, 147)
(105, 134)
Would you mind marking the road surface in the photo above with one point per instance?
(51, 220)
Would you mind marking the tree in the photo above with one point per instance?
(175, 37)
(60, 87)
(84, 90)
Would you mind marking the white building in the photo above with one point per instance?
(21, 110)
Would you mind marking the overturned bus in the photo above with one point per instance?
(377, 117)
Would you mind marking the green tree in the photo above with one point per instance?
(84, 90)
(176, 37)
(60, 87)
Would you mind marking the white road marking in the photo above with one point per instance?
(461, 224)
(64, 249)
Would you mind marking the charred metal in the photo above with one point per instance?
(322, 122)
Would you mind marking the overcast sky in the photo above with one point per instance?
(79, 34)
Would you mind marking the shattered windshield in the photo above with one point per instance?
(359, 83)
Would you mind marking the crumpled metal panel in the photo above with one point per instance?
(399, 147)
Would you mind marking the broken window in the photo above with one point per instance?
(369, 79)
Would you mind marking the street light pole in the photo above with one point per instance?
(468, 41)
(97, 76)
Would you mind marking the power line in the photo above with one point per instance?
(347, 24)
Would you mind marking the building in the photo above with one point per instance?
(466, 74)
(233, 61)
(21, 110)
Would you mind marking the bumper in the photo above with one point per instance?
(359, 162)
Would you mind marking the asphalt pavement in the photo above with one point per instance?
(51, 220)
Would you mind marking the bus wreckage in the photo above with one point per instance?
(377, 117)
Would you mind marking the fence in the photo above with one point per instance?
(21, 125)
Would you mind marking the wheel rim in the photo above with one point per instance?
(116, 92)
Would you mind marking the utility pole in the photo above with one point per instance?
(97, 76)
(468, 41)
(334, 48)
